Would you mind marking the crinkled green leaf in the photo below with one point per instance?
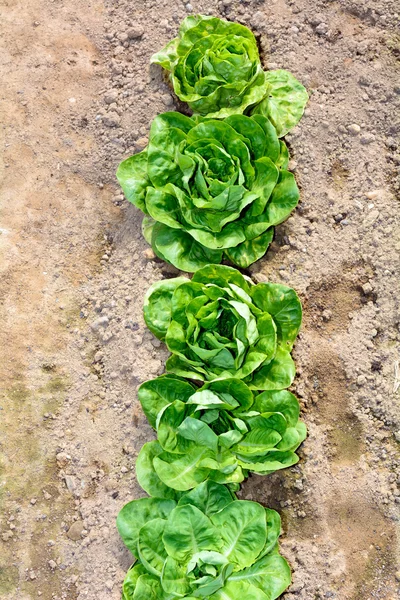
(292, 437)
(166, 56)
(199, 433)
(227, 477)
(177, 365)
(151, 548)
(252, 132)
(182, 472)
(222, 276)
(285, 102)
(271, 574)
(283, 200)
(147, 228)
(272, 461)
(181, 250)
(243, 590)
(148, 587)
(133, 177)
(146, 475)
(158, 393)
(157, 305)
(282, 401)
(137, 513)
(243, 528)
(283, 161)
(168, 426)
(229, 438)
(284, 305)
(130, 581)
(266, 178)
(188, 531)
(273, 531)
(234, 392)
(174, 579)
(276, 375)
(248, 252)
(205, 399)
(258, 441)
(213, 582)
(273, 148)
(171, 120)
(209, 497)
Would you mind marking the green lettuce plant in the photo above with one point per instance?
(214, 66)
(210, 189)
(220, 325)
(207, 545)
(219, 432)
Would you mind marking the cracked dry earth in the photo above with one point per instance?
(78, 96)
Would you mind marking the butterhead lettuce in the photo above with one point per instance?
(214, 66)
(207, 545)
(220, 432)
(220, 325)
(210, 189)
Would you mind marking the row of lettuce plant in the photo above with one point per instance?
(212, 187)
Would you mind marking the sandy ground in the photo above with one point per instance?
(78, 96)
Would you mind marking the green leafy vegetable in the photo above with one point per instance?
(210, 189)
(219, 325)
(209, 546)
(219, 432)
(285, 102)
(214, 66)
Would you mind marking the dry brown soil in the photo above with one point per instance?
(77, 96)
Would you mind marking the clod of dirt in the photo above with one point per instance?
(75, 531)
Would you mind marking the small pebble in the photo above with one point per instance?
(367, 288)
(354, 129)
(149, 254)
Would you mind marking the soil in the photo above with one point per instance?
(78, 97)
